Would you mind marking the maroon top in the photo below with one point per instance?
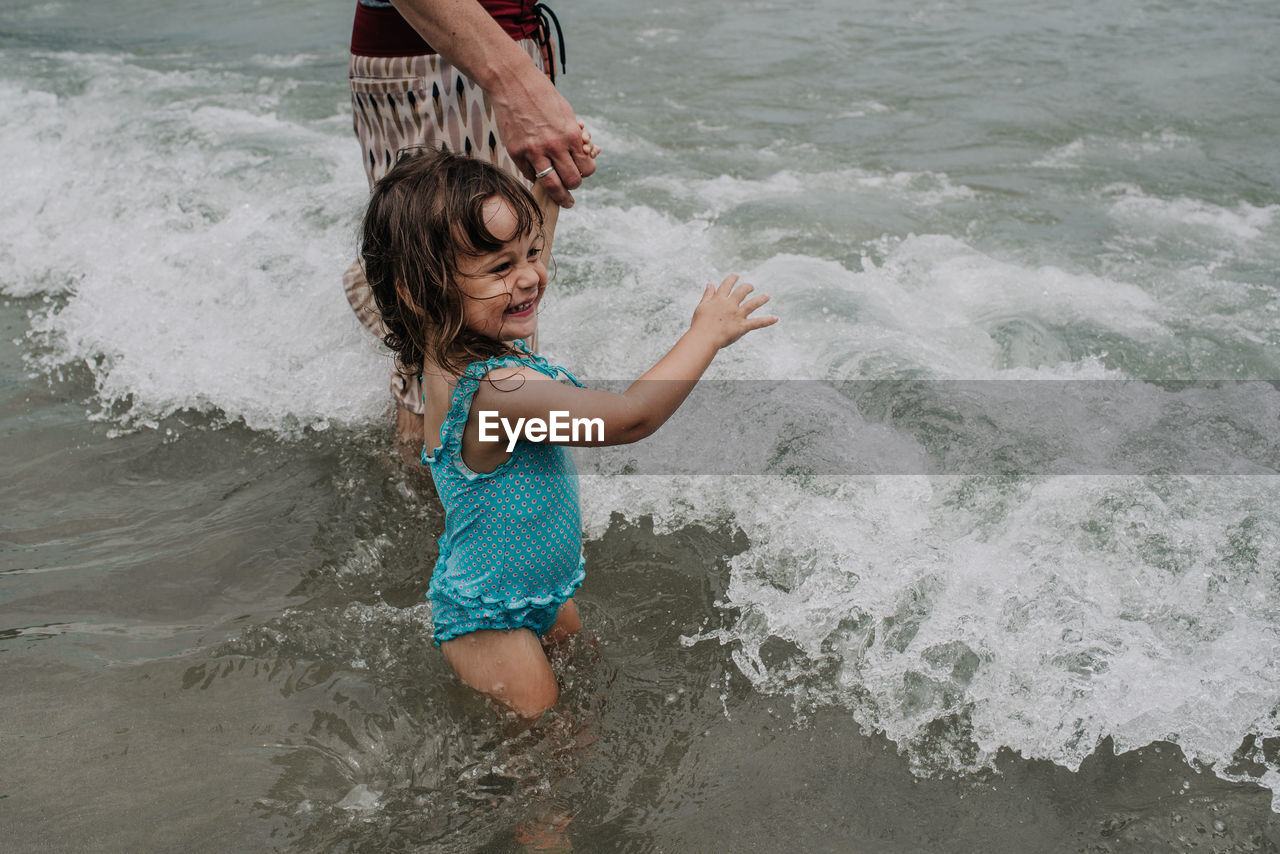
(382, 32)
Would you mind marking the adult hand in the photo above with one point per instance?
(537, 124)
(540, 131)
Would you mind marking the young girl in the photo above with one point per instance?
(453, 251)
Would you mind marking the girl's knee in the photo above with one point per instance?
(533, 700)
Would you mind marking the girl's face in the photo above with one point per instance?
(502, 289)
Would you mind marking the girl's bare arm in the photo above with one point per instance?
(722, 317)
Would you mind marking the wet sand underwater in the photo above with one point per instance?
(212, 641)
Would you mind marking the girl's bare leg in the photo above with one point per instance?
(512, 666)
(509, 666)
(567, 625)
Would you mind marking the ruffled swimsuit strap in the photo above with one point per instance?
(455, 420)
(541, 365)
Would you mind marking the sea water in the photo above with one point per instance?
(1076, 196)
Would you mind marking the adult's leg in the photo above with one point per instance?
(415, 102)
(509, 666)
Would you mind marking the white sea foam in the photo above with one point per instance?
(934, 307)
(1062, 157)
(1042, 615)
(1071, 155)
(724, 192)
(861, 109)
(199, 252)
(1243, 221)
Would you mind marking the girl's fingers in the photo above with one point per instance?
(754, 303)
(726, 287)
(592, 150)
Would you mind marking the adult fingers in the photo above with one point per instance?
(585, 163)
(569, 157)
(550, 182)
(556, 190)
(566, 161)
(568, 167)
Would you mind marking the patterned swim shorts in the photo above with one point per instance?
(409, 102)
(453, 616)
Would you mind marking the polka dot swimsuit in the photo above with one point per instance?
(511, 553)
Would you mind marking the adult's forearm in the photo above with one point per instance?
(470, 39)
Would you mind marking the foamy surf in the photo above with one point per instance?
(194, 255)
(962, 615)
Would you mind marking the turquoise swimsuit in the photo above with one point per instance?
(511, 553)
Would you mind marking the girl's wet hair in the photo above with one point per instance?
(424, 215)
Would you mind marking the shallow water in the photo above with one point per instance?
(942, 614)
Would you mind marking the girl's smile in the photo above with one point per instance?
(503, 287)
(522, 309)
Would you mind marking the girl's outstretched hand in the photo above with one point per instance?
(724, 314)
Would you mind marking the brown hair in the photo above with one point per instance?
(425, 214)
